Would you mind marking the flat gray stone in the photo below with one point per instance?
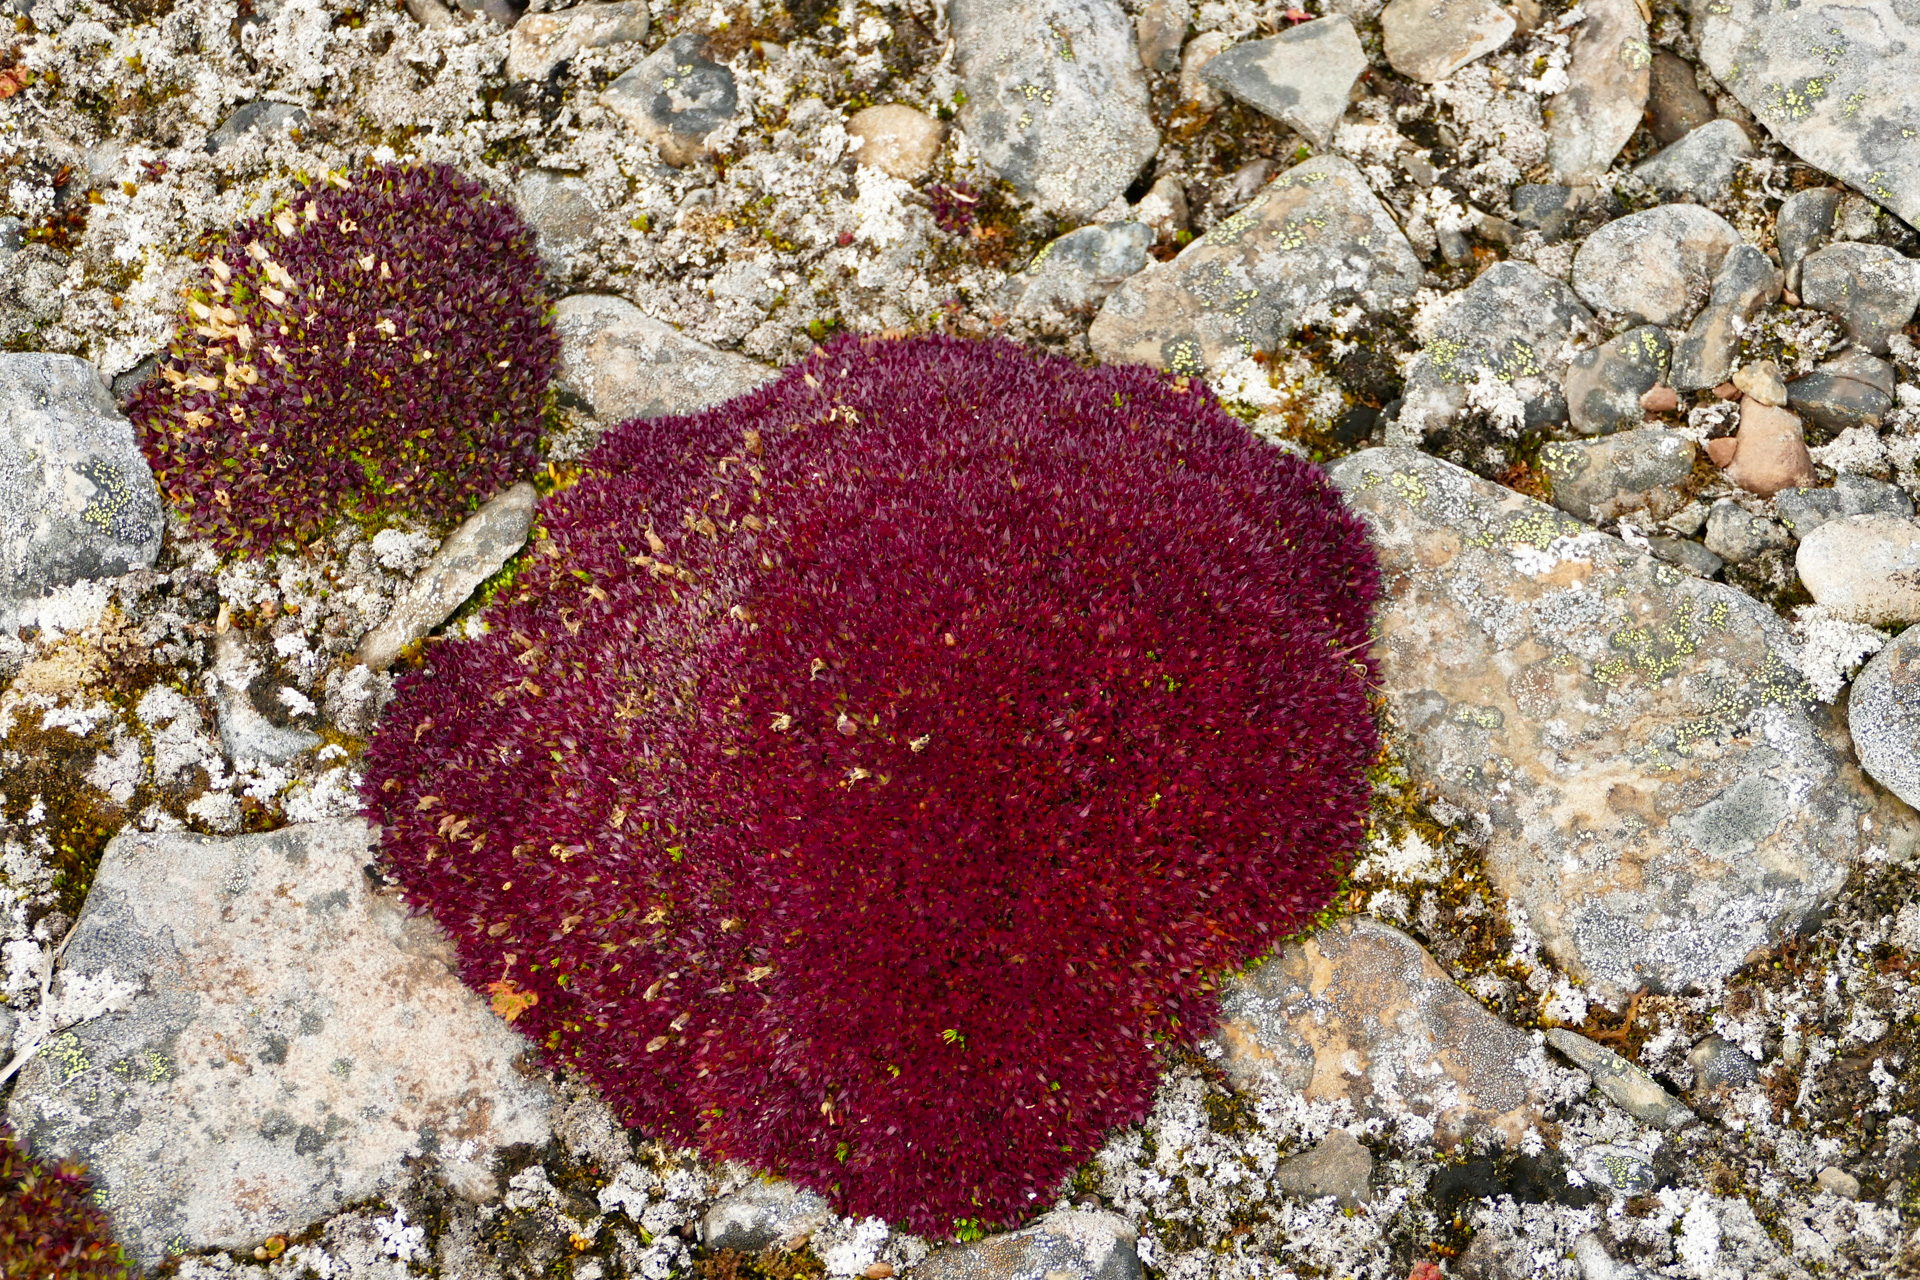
(1650, 783)
(1864, 568)
(1606, 95)
(1547, 207)
(1080, 269)
(560, 209)
(1359, 1011)
(1510, 324)
(1080, 1243)
(1604, 383)
(1429, 40)
(1604, 479)
(1655, 266)
(764, 1215)
(1700, 165)
(1871, 288)
(1300, 77)
(540, 42)
(256, 117)
(1685, 553)
(1631, 1088)
(1315, 234)
(77, 500)
(1736, 534)
(622, 363)
(1719, 1067)
(675, 98)
(1745, 285)
(1339, 1165)
(1853, 390)
(298, 1043)
(1056, 98)
(1804, 510)
(1804, 223)
(474, 552)
(1832, 80)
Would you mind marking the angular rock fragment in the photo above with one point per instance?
(1736, 534)
(1056, 98)
(1079, 269)
(1654, 266)
(1360, 1011)
(1315, 234)
(764, 1215)
(474, 552)
(1429, 40)
(263, 117)
(1719, 1068)
(1864, 568)
(1195, 92)
(1590, 121)
(1804, 223)
(675, 98)
(1871, 288)
(77, 499)
(1833, 82)
(1338, 1166)
(622, 363)
(542, 41)
(1066, 1242)
(1769, 450)
(1605, 384)
(1162, 29)
(1700, 165)
(1685, 553)
(560, 209)
(1804, 510)
(1601, 480)
(1631, 1088)
(1852, 390)
(1745, 284)
(896, 139)
(1509, 327)
(1300, 77)
(1656, 796)
(297, 1043)
(257, 720)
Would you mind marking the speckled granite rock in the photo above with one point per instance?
(1300, 77)
(298, 1043)
(1314, 234)
(1607, 69)
(764, 1214)
(1056, 98)
(622, 363)
(1360, 1011)
(675, 98)
(1604, 383)
(1429, 40)
(77, 500)
(1650, 785)
(1604, 479)
(1067, 1242)
(1832, 81)
(1883, 714)
(1655, 266)
(1865, 568)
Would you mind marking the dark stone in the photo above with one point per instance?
(1745, 283)
(1675, 105)
(1804, 510)
(1600, 480)
(1605, 383)
(1687, 554)
(125, 384)
(676, 97)
(1854, 390)
(1871, 288)
(1300, 77)
(1548, 208)
(252, 116)
(1805, 223)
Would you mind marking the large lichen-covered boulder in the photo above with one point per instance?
(1650, 783)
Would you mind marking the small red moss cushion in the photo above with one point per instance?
(378, 343)
(871, 772)
(49, 1223)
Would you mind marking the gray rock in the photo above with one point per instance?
(1686, 554)
(1700, 165)
(1359, 1011)
(30, 280)
(124, 384)
(1856, 218)
(1655, 266)
(298, 1042)
(1837, 1181)
(1511, 323)
(1855, 390)
(257, 720)
(474, 552)
(1315, 234)
(1883, 714)
(1804, 223)
(9, 1022)
(622, 363)
(1719, 1068)
(1606, 95)
(1833, 82)
(1864, 568)
(540, 42)
(77, 500)
(13, 234)
(1734, 533)
(1429, 40)
(1300, 77)
(1658, 799)
(560, 209)
(1546, 207)
(1675, 105)
(1604, 383)
(1162, 29)
(1804, 510)
(1339, 1165)
(503, 12)
(1630, 1088)
(1080, 1243)
(1623, 1170)
(1871, 288)
(1604, 479)
(1744, 286)
(1056, 98)
(764, 1215)
(255, 117)
(675, 98)
(1079, 269)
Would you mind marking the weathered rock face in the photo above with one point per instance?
(560, 209)
(1651, 786)
(1080, 269)
(1655, 265)
(1607, 68)
(1300, 77)
(1056, 98)
(297, 1041)
(1604, 384)
(77, 500)
(1314, 234)
(1883, 714)
(675, 98)
(622, 363)
(1700, 165)
(764, 1214)
(1600, 480)
(1745, 284)
(1067, 1242)
(896, 139)
(1871, 288)
(542, 41)
(1360, 1011)
(1832, 81)
(1429, 40)
(1865, 568)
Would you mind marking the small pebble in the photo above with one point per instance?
(1839, 1182)
(1660, 399)
(1761, 380)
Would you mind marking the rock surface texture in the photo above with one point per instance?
(1651, 786)
(622, 363)
(1864, 568)
(1069, 1242)
(296, 1041)
(1300, 77)
(1429, 40)
(675, 98)
(1601, 107)
(1654, 266)
(1883, 714)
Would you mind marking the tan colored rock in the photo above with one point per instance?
(1201, 50)
(897, 140)
(1429, 40)
(1761, 381)
(1608, 68)
(540, 42)
(1660, 399)
(1720, 450)
(1359, 1011)
(1864, 568)
(1770, 452)
(622, 363)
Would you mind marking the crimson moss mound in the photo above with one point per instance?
(49, 1224)
(378, 343)
(869, 774)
